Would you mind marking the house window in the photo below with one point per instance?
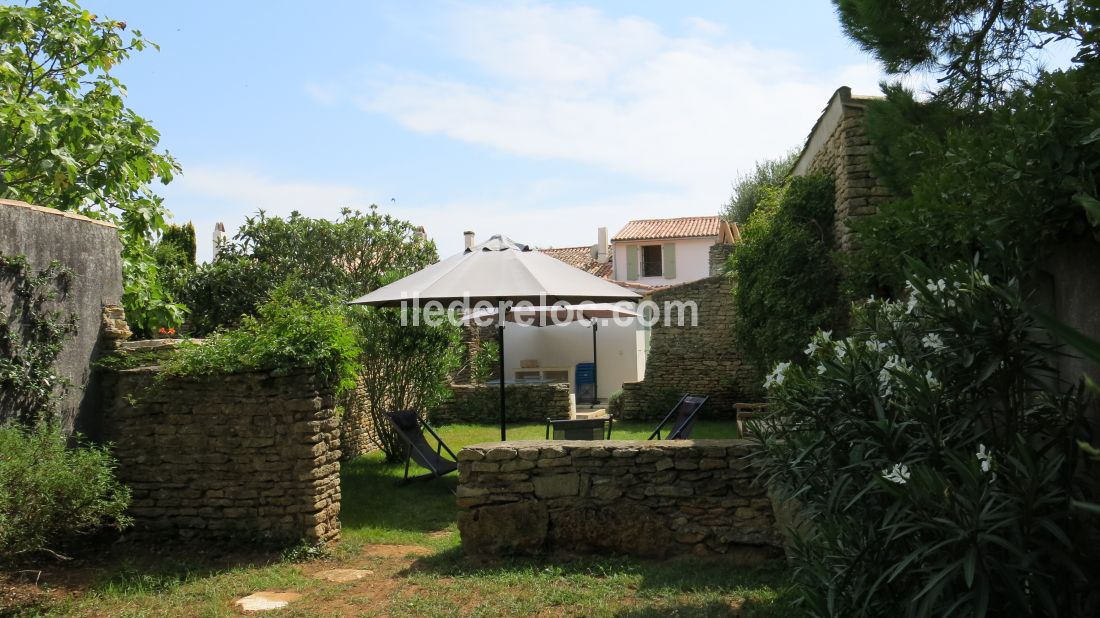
(651, 261)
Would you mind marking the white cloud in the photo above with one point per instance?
(616, 93)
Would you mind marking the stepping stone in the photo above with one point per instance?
(265, 600)
(341, 576)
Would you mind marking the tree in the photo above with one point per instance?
(346, 258)
(68, 141)
(980, 49)
(750, 188)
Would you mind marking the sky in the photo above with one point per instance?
(541, 121)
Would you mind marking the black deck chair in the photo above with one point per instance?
(685, 413)
(580, 429)
(411, 428)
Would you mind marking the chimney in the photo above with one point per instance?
(469, 237)
(220, 237)
(602, 249)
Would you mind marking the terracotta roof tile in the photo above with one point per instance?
(682, 227)
(581, 257)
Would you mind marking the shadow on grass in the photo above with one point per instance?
(373, 496)
(726, 589)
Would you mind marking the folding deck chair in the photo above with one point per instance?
(579, 429)
(411, 428)
(685, 412)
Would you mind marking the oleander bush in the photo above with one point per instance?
(936, 455)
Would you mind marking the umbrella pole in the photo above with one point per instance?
(500, 343)
(595, 375)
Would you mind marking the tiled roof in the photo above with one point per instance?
(581, 257)
(682, 227)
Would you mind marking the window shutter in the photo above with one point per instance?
(632, 262)
(668, 253)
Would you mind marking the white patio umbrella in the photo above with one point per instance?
(500, 272)
(561, 314)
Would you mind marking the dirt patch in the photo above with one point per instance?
(394, 551)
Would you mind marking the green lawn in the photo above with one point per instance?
(406, 535)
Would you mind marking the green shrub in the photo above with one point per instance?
(785, 282)
(49, 493)
(288, 333)
(1009, 184)
(615, 404)
(405, 367)
(937, 460)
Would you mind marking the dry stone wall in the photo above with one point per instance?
(846, 155)
(481, 404)
(247, 457)
(701, 359)
(650, 499)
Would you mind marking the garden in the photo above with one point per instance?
(929, 409)
(403, 541)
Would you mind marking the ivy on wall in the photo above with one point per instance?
(32, 334)
(785, 280)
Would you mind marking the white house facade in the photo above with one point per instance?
(663, 252)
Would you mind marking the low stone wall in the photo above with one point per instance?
(247, 457)
(639, 498)
(481, 404)
(701, 359)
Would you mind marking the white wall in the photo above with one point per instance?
(566, 345)
(692, 260)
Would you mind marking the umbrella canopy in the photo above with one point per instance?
(500, 271)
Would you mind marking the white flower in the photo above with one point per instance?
(776, 377)
(825, 334)
(936, 286)
(985, 279)
(984, 457)
(841, 350)
(898, 474)
(932, 341)
(885, 388)
(892, 362)
(912, 304)
(951, 302)
(874, 345)
(820, 369)
(931, 379)
(810, 349)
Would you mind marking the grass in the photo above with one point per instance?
(427, 575)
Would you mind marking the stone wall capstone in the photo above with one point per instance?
(91, 250)
(650, 499)
(250, 456)
(702, 359)
(533, 403)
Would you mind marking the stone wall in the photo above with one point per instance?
(719, 255)
(481, 404)
(846, 155)
(245, 457)
(649, 499)
(91, 250)
(701, 359)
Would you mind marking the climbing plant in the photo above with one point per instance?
(32, 334)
